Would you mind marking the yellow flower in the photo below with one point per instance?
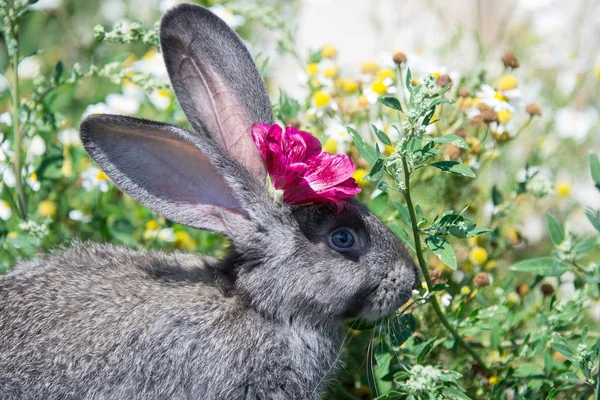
(513, 297)
(500, 97)
(67, 167)
(46, 208)
(321, 98)
(330, 146)
(491, 264)
(101, 176)
(183, 240)
(329, 51)
(369, 67)
(563, 188)
(508, 82)
(465, 290)
(474, 144)
(12, 235)
(385, 73)
(492, 380)
(478, 255)
(379, 87)
(504, 116)
(349, 86)
(312, 69)
(152, 225)
(331, 72)
(359, 175)
(363, 102)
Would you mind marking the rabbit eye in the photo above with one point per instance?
(342, 239)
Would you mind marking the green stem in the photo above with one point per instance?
(18, 137)
(425, 272)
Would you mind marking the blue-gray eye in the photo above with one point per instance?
(342, 239)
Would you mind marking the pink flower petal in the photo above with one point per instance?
(298, 166)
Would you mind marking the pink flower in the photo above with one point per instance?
(298, 166)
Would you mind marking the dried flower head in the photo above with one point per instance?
(436, 276)
(482, 279)
(477, 121)
(509, 60)
(489, 116)
(533, 109)
(400, 58)
(464, 92)
(522, 289)
(443, 80)
(547, 289)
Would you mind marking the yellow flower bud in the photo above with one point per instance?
(152, 225)
(513, 297)
(478, 255)
(349, 86)
(331, 72)
(330, 146)
(183, 240)
(321, 98)
(363, 102)
(359, 175)
(508, 82)
(46, 208)
(379, 87)
(563, 189)
(369, 67)
(329, 51)
(504, 116)
(386, 73)
(465, 290)
(492, 380)
(312, 69)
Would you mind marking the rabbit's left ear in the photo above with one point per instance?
(216, 81)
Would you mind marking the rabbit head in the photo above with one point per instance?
(288, 262)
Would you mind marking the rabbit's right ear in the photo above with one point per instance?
(168, 169)
(216, 81)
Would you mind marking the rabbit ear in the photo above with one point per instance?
(216, 81)
(166, 168)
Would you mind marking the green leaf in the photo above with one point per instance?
(454, 167)
(443, 250)
(402, 328)
(376, 170)
(366, 151)
(545, 266)
(528, 370)
(454, 393)
(409, 81)
(595, 169)
(378, 205)
(496, 196)
(452, 139)
(402, 234)
(391, 102)
(403, 211)
(381, 135)
(557, 233)
(594, 217)
(58, 70)
(478, 231)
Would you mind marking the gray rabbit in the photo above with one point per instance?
(105, 322)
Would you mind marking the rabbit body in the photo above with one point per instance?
(104, 322)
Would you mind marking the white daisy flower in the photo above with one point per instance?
(5, 211)
(93, 178)
(575, 124)
(80, 216)
(69, 137)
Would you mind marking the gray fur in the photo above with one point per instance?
(105, 322)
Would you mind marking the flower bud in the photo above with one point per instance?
(464, 92)
(399, 58)
(533, 109)
(547, 289)
(510, 61)
(481, 279)
(443, 80)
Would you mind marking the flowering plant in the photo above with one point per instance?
(297, 165)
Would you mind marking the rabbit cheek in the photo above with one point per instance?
(394, 290)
